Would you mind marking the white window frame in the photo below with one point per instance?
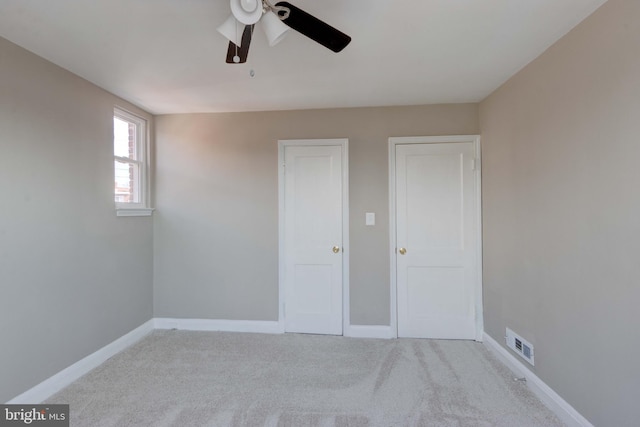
(141, 208)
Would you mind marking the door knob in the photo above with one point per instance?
(336, 249)
(402, 251)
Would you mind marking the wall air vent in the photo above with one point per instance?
(522, 347)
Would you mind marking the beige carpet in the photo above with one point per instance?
(181, 378)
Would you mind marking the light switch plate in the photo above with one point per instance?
(370, 218)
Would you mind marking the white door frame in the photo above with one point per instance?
(393, 141)
(344, 143)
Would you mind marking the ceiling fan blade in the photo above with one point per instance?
(243, 50)
(314, 28)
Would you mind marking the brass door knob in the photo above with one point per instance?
(402, 251)
(336, 249)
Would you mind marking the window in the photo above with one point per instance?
(130, 164)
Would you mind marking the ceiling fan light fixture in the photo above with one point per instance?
(247, 11)
(274, 28)
(232, 30)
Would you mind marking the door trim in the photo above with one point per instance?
(344, 143)
(393, 141)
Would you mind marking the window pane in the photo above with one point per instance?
(129, 144)
(124, 138)
(126, 182)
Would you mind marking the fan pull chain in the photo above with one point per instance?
(236, 57)
(251, 72)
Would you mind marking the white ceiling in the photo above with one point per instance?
(167, 57)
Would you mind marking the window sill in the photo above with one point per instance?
(134, 211)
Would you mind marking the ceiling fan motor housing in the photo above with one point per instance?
(247, 11)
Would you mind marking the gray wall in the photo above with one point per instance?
(216, 227)
(73, 277)
(562, 213)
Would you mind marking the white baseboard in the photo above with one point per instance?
(52, 385)
(557, 404)
(261, 326)
(256, 326)
(369, 331)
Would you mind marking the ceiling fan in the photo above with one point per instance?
(276, 21)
